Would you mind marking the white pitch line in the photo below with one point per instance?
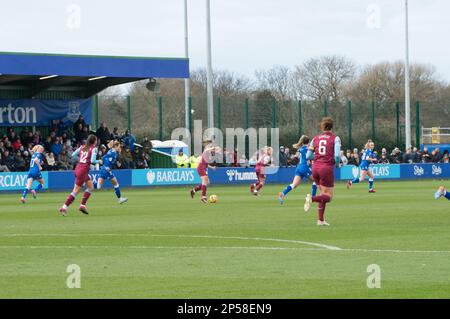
(226, 247)
(329, 247)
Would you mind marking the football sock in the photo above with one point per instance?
(447, 195)
(203, 190)
(314, 189)
(69, 200)
(321, 211)
(355, 181)
(259, 186)
(117, 191)
(370, 183)
(38, 187)
(97, 186)
(86, 195)
(287, 189)
(25, 192)
(197, 188)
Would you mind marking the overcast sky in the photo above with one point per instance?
(247, 35)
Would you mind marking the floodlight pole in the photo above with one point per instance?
(187, 88)
(209, 73)
(407, 82)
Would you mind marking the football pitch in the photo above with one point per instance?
(162, 244)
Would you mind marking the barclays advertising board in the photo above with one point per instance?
(160, 177)
(17, 181)
(380, 171)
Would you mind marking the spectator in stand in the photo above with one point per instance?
(51, 161)
(194, 160)
(20, 163)
(425, 156)
(16, 144)
(436, 155)
(48, 144)
(355, 157)
(8, 161)
(416, 155)
(142, 161)
(127, 158)
(78, 125)
(103, 134)
(408, 157)
(62, 127)
(64, 161)
(182, 159)
(396, 156)
(445, 157)
(115, 135)
(27, 158)
(344, 159)
(37, 138)
(384, 158)
(129, 140)
(147, 145)
(56, 147)
(282, 157)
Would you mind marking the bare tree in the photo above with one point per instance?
(277, 80)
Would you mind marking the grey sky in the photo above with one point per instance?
(247, 34)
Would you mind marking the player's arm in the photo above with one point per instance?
(94, 159)
(337, 151)
(310, 152)
(37, 161)
(75, 154)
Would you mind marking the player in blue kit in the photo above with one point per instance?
(367, 158)
(109, 160)
(303, 169)
(34, 174)
(441, 192)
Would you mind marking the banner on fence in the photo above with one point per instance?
(32, 112)
(159, 177)
(380, 171)
(17, 181)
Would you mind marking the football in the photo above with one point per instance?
(213, 199)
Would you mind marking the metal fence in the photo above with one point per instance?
(354, 122)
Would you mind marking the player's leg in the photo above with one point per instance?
(86, 195)
(115, 184)
(441, 192)
(70, 199)
(99, 183)
(39, 186)
(295, 182)
(313, 187)
(201, 173)
(371, 178)
(260, 183)
(328, 192)
(27, 189)
(204, 186)
(356, 180)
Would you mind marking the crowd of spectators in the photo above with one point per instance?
(62, 140)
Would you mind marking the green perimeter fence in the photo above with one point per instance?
(156, 117)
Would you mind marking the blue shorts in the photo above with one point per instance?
(106, 175)
(364, 166)
(303, 171)
(34, 175)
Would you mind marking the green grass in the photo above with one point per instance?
(162, 244)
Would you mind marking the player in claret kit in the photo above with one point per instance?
(441, 192)
(87, 155)
(265, 159)
(34, 173)
(303, 169)
(210, 152)
(367, 158)
(325, 150)
(106, 173)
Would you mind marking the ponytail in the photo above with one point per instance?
(304, 140)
